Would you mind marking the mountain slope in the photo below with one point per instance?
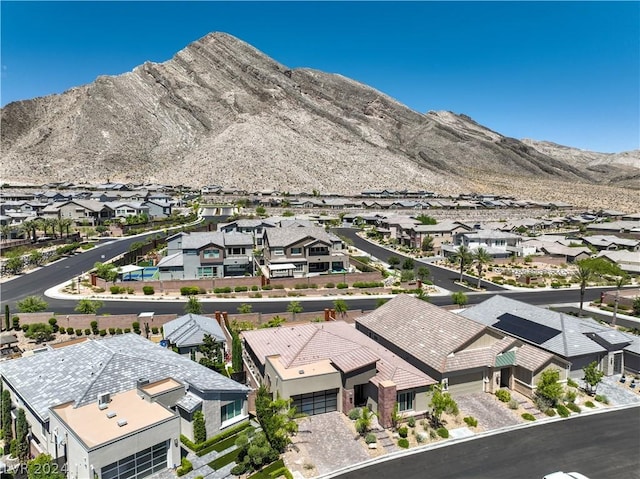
(222, 112)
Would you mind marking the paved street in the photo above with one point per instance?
(601, 446)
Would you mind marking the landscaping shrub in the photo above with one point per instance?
(225, 290)
(267, 287)
(102, 332)
(368, 284)
(563, 411)
(471, 421)
(570, 396)
(241, 289)
(528, 417)
(116, 289)
(443, 432)
(403, 443)
(87, 332)
(342, 286)
(572, 383)
(127, 330)
(602, 398)
(278, 286)
(503, 395)
(112, 331)
(329, 285)
(254, 288)
(155, 330)
(69, 330)
(191, 290)
(24, 328)
(78, 332)
(118, 330)
(62, 331)
(574, 407)
(15, 323)
(148, 290)
(370, 438)
(354, 414)
(411, 421)
(185, 467)
(403, 431)
(589, 404)
(550, 412)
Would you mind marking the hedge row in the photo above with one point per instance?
(200, 446)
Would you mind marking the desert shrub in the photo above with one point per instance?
(69, 330)
(572, 383)
(589, 404)
(240, 289)
(370, 438)
(513, 404)
(127, 330)
(62, 331)
(470, 421)
(148, 290)
(116, 289)
(15, 323)
(503, 395)
(573, 407)
(329, 285)
(443, 432)
(112, 331)
(403, 443)
(24, 327)
(570, 396)
(368, 284)
(403, 431)
(354, 414)
(563, 411)
(78, 332)
(550, 412)
(342, 285)
(411, 421)
(602, 398)
(118, 330)
(529, 417)
(278, 286)
(191, 290)
(155, 330)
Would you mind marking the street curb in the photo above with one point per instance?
(420, 449)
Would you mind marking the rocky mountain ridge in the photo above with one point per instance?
(222, 112)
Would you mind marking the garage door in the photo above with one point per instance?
(317, 402)
(466, 383)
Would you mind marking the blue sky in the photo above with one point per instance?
(563, 72)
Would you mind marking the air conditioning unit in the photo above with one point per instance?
(103, 400)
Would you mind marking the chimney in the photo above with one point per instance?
(218, 317)
(225, 316)
(326, 314)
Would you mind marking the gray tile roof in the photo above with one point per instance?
(189, 402)
(425, 331)
(190, 329)
(199, 240)
(347, 348)
(570, 342)
(290, 235)
(82, 371)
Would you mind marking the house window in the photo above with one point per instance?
(299, 268)
(206, 272)
(296, 251)
(190, 252)
(211, 253)
(405, 401)
(231, 410)
(278, 251)
(236, 251)
(259, 241)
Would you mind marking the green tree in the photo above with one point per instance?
(193, 306)
(620, 282)
(423, 273)
(31, 304)
(236, 352)
(106, 271)
(277, 419)
(481, 257)
(408, 264)
(363, 423)
(261, 211)
(245, 308)
(294, 307)
(463, 257)
(591, 269)
(14, 264)
(39, 332)
(426, 219)
(5, 417)
(22, 431)
(549, 390)
(407, 275)
(459, 298)
(7, 317)
(592, 377)
(43, 467)
(65, 224)
(441, 402)
(427, 243)
(341, 307)
(199, 428)
(393, 261)
(212, 354)
(88, 306)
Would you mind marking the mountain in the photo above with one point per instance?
(222, 112)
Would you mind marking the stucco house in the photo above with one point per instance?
(445, 232)
(187, 333)
(579, 341)
(463, 355)
(207, 255)
(115, 408)
(330, 366)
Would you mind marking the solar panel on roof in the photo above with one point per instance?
(525, 329)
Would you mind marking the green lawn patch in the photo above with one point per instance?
(222, 461)
(224, 443)
(271, 470)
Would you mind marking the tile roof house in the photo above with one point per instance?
(331, 366)
(465, 356)
(78, 402)
(187, 332)
(579, 341)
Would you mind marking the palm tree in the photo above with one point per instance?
(52, 223)
(5, 231)
(591, 268)
(64, 224)
(481, 257)
(462, 256)
(620, 282)
(29, 228)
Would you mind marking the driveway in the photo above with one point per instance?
(324, 443)
(488, 410)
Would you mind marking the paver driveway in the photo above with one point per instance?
(489, 411)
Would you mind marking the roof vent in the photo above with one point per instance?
(102, 406)
(111, 414)
(122, 422)
(103, 399)
(301, 371)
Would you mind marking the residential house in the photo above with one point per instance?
(116, 407)
(498, 244)
(576, 340)
(627, 261)
(445, 232)
(330, 366)
(612, 242)
(81, 211)
(187, 333)
(255, 228)
(207, 255)
(122, 210)
(302, 251)
(158, 209)
(629, 229)
(463, 355)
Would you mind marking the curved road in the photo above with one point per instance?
(600, 446)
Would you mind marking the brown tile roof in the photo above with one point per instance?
(532, 358)
(339, 342)
(425, 331)
(478, 357)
